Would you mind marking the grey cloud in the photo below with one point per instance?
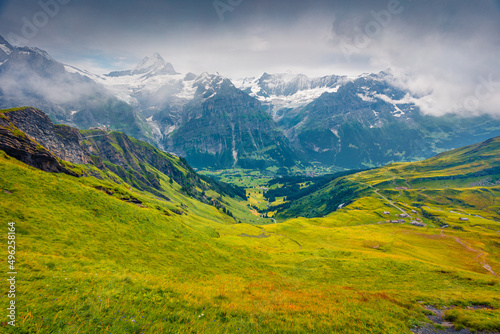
(441, 51)
(445, 53)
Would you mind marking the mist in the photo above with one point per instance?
(446, 54)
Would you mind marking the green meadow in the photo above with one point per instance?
(97, 255)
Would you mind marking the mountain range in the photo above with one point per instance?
(115, 234)
(276, 120)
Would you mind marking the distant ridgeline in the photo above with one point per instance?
(279, 121)
(472, 166)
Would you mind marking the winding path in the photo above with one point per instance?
(274, 220)
(481, 255)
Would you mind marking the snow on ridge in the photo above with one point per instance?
(72, 69)
(297, 100)
(27, 50)
(5, 49)
(365, 98)
(150, 64)
(272, 88)
(188, 91)
(407, 99)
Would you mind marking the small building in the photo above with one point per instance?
(418, 224)
(395, 221)
(413, 211)
(419, 220)
(464, 219)
(404, 215)
(386, 213)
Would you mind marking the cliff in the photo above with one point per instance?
(25, 148)
(61, 140)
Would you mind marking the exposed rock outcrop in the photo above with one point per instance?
(61, 140)
(17, 145)
(28, 135)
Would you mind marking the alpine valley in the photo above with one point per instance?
(149, 201)
(114, 235)
(276, 120)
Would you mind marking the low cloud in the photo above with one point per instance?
(447, 55)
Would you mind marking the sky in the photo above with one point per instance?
(444, 52)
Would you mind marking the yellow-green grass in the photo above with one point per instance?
(256, 198)
(89, 262)
(476, 319)
(245, 178)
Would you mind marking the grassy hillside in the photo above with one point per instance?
(96, 255)
(455, 178)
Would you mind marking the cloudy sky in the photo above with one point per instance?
(446, 52)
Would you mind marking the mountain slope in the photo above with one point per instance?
(368, 122)
(452, 178)
(29, 76)
(109, 155)
(223, 127)
(94, 253)
(331, 121)
(16, 144)
(204, 118)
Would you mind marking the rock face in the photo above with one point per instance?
(61, 140)
(129, 156)
(120, 158)
(16, 144)
(28, 135)
(224, 127)
(369, 122)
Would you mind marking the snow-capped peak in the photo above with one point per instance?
(154, 65)
(38, 51)
(5, 46)
(155, 62)
(284, 78)
(287, 90)
(208, 85)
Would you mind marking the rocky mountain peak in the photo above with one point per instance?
(154, 65)
(3, 42)
(5, 49)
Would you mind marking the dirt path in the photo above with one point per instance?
(481, 255)
(274, 220)
(388, 200)
(437, 318)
